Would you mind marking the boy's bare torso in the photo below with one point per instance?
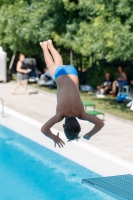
(69, 103)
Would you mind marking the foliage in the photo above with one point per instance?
(22, 26)
(94, 29)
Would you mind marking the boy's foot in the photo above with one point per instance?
(49, 43)
(43, 44)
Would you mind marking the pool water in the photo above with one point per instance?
(29, 171)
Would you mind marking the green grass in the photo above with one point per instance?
(107, 104)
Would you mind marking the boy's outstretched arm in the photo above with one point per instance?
(98, 124)
(46, 130)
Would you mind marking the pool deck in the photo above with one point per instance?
(116, 138)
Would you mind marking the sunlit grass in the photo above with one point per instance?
(107, 104)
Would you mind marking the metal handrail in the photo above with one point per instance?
(2, 103)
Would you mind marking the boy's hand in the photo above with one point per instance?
(58, 141)
(86, 137)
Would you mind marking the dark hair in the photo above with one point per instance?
(72, 128)
(121, 68)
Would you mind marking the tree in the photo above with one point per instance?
(93, 29)
(22, 26)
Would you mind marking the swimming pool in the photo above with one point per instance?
(29, 171)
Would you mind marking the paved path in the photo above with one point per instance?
(116, 137)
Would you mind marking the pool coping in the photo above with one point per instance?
(80, 144)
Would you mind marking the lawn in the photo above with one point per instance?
(107, 104)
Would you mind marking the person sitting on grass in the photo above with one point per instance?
(120, 82)
(69, 104)
(34, 72)
(106, 86)
(46, 76)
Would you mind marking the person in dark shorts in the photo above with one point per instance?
(69, 104)
(22, 74)
(106, 86)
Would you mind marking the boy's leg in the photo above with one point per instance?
(56, 56)
(48, 58)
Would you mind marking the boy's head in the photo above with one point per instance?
(71, 128)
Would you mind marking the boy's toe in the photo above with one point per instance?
(43, 44)
(50, 41)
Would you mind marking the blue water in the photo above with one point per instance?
(29, 171)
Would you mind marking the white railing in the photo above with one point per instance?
(2, 104)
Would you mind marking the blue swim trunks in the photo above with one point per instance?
(63, 70)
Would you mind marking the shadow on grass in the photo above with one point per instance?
(109, 105)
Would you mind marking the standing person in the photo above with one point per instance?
(69, 104)
(22, 74)
(120, 82)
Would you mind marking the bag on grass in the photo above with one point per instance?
(121, 98)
